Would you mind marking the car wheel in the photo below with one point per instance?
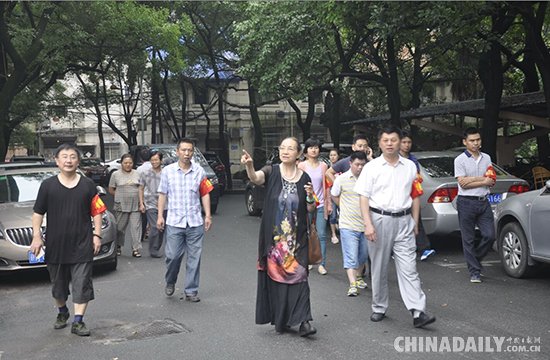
(514, 251)
(251, 204)
(213, 208)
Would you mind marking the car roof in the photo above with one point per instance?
(435, 154)
(17, 167)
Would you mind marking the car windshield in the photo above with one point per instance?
(22, 187)
(91, 162)
(442, 167)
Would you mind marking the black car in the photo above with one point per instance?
(219, 168)
(255, 194)
(95, 169)
(169, 156)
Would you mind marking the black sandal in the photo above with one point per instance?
(118, 251)
(136, 254)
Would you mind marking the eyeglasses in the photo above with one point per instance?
(290, 148)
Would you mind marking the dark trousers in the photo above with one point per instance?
(143, 225)
(422, 241)
(472, 212)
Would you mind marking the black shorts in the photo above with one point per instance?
(80, 275)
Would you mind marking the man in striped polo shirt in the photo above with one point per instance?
(352, 229)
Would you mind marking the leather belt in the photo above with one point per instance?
(391, 213)
(478, 198)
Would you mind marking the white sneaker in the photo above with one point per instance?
(321, 269)
(335, 240)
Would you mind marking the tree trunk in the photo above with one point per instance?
(183, 108)
(258, 154)
(100, 125)
(169, 105)
(303, 126)
(394, 100)
(336, 119)
(531, 83)
(490, 73)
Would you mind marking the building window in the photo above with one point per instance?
(201, 95)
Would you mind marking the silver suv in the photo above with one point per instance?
(19, 184)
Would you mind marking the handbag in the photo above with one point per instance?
(314, 246)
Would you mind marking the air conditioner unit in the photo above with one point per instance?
(235, 133)
(319, 110)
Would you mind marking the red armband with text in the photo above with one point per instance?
(98, 207)
(490, 173)
(416, 189)
(206, 186)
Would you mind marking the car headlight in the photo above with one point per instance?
(104, 220)
(214, 181)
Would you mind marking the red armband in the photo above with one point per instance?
(416, 189)
(328, 183)
(98, 207)
(490, 173)
(206, 186)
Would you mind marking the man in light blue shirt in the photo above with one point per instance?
(185, 185)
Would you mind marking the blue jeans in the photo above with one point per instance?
(321, 230)
(354, 248)
(177, 241)
(472, 212)
(333, 218)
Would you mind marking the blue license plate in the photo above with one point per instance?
(35, 260)
(494, 198)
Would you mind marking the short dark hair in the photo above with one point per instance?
(357, 155)
(125, 156)
(406, 133)
(311, 142)
(334, 149)
(390, 129)
(67, 146)
(156, 152)
(145, 154)
(470, 131)
(185, 141)
(360, 137)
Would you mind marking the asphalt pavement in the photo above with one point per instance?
(132, 318)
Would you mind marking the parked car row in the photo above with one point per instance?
(19, 185)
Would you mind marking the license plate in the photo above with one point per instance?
(494, 198)
(35, 260)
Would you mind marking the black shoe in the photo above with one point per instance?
(170, 289)
(376, 317)
(156, 256)
(192, 298)
(306, 329)
(423, 320)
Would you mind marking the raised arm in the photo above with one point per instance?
(257, 177)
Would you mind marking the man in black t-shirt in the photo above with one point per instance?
(360, 143)
(70, 200)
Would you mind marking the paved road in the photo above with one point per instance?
(131, 318)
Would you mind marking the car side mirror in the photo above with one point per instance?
(100, 190)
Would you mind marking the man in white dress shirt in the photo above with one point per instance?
(389, 190)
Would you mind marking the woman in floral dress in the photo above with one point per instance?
(283, 289)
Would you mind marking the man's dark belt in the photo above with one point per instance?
(391, 213)
(478, 198)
